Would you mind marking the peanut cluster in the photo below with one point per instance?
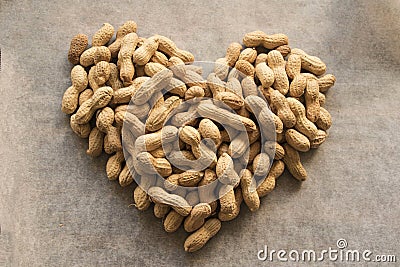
(258, 108)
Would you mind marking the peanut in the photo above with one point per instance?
(225, 171)
(324, 121)
(297, 140)
(310, 63)
(82, 130)
(232, 215)
(248, 54)
(141, 198)
(178, 203)
(168, 47)
(249, 192)
(103, 35)
(199, 238)
(268, 184)
(292, 162)
(143, 54)
(104, 121)
(99, 99)
(95, 54)
(151, 165)
(125, 64)
(95, 142)
(114, 165)
(280, 103)
(113, 81)
(125, 177)
(312, 100)
(277, 63)
(319, 139)
(303, 125)
(161, 210)
(85, 95)
(71, 96)
(261, 164)
(128, 27)
(265, 75)
(257, 38)
(326, 82)
(173, 221)
(78, 45)
(197, 217)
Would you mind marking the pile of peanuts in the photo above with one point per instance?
(125, 89)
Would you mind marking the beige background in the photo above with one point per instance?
(57, 207)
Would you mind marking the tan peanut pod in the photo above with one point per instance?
(171, 183)
(113, 81)
(197, 217)
(194, 68)
(151, 68)
(193, 92)
(265, 74)
(261, 164)
(157, 116)
(238, 200)
(92, 82)
(268, 184)
(284, 50)
(324, 121)
(325, 82)
(207, 193)
(114, 165)
(99, 99)
(232, 100)
(151, 141)
(192, 198)
(124, 95)
(173, 221)
(82, 130)
(249, 192)
(303, 125)
(160, 58)
(238, 145)
(312, 100)
(205, 153)
(261, 58)
(151, 165)
(227, 200)
(249, 87)
(161, 210)
(78, 44)
(128, 27)
(176, 87)
(112, 140)
(245, 67)
(151, 87)
(225, 171)
(277, 63)
(274, 147)
(169, 48)
(189, 135)
(310, 63)
(248, 54)
(177, 66)
(199, 238)
(215, 84)
(192, 78)
(143, 54)
(298, 85)
(230, 119)
(221, 68)
(102, 73)
(125, 178)
(257, 38)
(85, 95)
(319, 139)
(103, 35)
(233, 85)
(95, 142)
(190, 178)
(233, 53)
(93, 55)
(208, 129)
(158, 153)
(140, 196)
(178, 203)
(71, 96)
(136, 127)
(293, 164)
(104, 121)
(293, 66)
(297, 140)
(125, 64)
(244, 113)
(279, 102)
